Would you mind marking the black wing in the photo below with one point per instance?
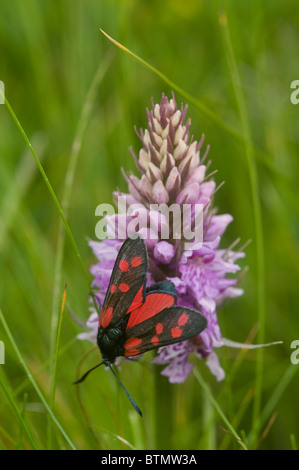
(171, 325)
(127, 284)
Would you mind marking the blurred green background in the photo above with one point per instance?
(50, 54)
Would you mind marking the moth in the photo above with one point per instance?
(134, 318)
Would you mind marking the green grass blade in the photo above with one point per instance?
(10, 206)
(19, 440)
(51, 190)
(197, 104)
(8, 437)
(208, 441)
(209, 395)
(277, 394)
(17, 412)
(54, 375)
(69, 179)
(293, 442)
(23, 385)
(164, 411)
(200, 106)
(33, 382)
(257, 212)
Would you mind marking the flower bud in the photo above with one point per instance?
(173, 181)
(159, 193)
(189, 195)
(164, 252)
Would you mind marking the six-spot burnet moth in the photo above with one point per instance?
(135, 318)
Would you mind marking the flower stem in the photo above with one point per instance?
(164, 400)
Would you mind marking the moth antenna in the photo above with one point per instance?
(86, 374)
(133, 402)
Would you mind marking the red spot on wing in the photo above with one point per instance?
(101, 317)
(154, 303)
(132, 352)
(107, 317)
(123, 287)
(137, 301)
(131, 345)
(155, 340)
(183, 319)
(176, 332)
(137, 261)
(159, 328)
(123, 265)
(113, 288)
